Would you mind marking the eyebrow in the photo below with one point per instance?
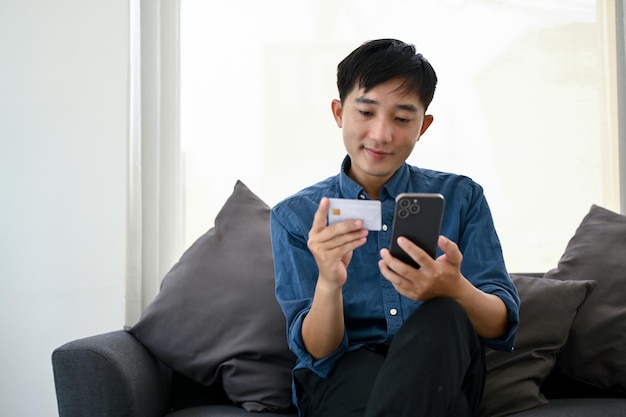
(407, 107)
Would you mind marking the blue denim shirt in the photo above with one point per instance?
(373, 309)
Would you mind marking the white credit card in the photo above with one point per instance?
(346, 209)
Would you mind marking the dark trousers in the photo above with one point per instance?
(435, 366)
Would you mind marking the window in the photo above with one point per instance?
(523, 105)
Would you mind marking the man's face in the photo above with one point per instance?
(380, 128)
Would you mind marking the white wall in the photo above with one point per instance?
(63, 135)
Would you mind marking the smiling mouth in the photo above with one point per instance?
(376, 154)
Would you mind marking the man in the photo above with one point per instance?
(374, 336)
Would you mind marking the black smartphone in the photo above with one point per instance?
(417, 216)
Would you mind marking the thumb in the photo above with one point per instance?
(319, 220)
(451, 251)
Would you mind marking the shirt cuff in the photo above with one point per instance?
(321, 367)
(507, 342)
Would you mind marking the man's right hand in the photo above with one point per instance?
(332, 246)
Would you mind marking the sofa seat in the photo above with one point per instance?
(570, 407)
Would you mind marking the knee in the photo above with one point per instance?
(440, 326)
(443, 313)
(444, 306)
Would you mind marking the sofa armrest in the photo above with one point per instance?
(110, 374)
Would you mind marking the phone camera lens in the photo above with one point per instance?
(404, 203)
(403, 213)
(414, 209)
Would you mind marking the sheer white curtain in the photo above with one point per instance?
(155, 229)
(619, 79)
(523, 104)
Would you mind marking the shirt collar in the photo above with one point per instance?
(397, 184)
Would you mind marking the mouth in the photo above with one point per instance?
(376, 154)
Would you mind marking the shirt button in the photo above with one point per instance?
(361, 196)
(393, 311)
(384, 227)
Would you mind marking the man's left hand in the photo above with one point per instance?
(435, 278)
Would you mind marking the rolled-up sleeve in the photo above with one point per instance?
(511, 300)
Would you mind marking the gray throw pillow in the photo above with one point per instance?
(596, 350)
(216, 319)
(548, 308)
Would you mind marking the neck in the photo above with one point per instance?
(372, 187)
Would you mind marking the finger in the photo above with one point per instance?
(416, 253)
(320, 218)
(405, 286)
(344, 236)
(397, 266)
(389, 273)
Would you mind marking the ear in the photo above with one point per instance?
(428, 120)
(337, 109)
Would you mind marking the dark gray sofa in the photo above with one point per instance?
(113, 375)
(216, 321)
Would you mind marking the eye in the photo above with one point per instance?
(366, 113)
(403, 120)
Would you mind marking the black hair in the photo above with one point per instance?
(381, 60)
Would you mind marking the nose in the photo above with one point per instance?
(381, 130)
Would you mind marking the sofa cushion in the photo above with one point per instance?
(514, 379)
(596, 350)
(216, 318)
